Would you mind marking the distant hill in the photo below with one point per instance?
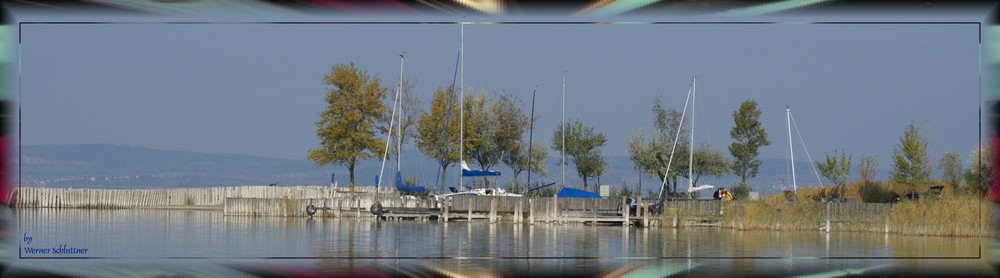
(120, 166)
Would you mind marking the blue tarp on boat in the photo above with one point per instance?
(466, 172)
(567, 192)
(403, 188)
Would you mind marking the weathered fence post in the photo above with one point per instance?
(828, 217)
(777, 225)
(887, 214)
(469, 213)
(677, 212)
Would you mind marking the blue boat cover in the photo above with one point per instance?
(479, 173)
(403, 188)
(466, 172)
(567, 192)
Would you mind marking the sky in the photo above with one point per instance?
(254, 88)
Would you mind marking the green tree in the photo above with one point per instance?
(479, 128)
(951, 169)
(980, 163)
(519, 160)
(836, 170)
(497, 128)
(583, 147)
(651, 155)
(749, 136)
(708, 162)
(437, 131)
(350, 126)
(911, 164)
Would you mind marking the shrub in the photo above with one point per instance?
(741, 191)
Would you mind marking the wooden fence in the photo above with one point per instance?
(166, 197)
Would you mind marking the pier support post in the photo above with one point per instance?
(593, 204)
(469, 217)
(493, 210)
(625, 208)
(531, 211)
(444, 207)
(555, 209)
(517, 213)
(645, 215)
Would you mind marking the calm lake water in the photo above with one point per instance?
(205, 241)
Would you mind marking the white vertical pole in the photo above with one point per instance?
(461, 103)
(691, 184)
(791, 151)
(563, 134)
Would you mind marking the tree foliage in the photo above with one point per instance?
(836, 170)
(519, 160)
(980, 163)
(951, 169)
(651, 154)
(583, 147)
(911, 165)
(494, 129)
(749, 136)
(437, 130)
(709, 162)
(350, 126)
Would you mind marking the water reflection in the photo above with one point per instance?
(356, 243)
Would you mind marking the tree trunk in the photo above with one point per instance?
(584, 182)
(350, 169)
(444, 169)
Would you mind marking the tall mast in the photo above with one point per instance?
(399, 147)
(531, 132)
(461, 103)
(563, 133)
(694, 90)
(791, 151)
(388, 138)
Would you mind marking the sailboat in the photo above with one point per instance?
(567, 192)
(400, 186)
(691, 186)
(793, 194)
(465, 170)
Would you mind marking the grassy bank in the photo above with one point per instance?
(951, 214)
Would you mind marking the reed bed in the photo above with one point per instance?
(951, 214)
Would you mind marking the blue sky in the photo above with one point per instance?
(256, 88)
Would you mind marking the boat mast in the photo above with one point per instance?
(461, 103)
(791, 151)
(399, 134)
(563, 133)
(694, 90)
(531, 132)
(388, 138)
(680, 123)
